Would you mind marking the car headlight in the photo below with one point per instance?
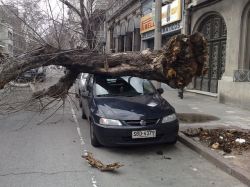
(113, 122)
(169, 118)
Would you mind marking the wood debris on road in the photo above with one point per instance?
(99, 165)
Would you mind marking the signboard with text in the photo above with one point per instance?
(147, 23)
(170, 13)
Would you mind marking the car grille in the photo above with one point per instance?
(138, 122)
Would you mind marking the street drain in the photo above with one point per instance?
(195, 118)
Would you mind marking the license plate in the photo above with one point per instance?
(144, 134)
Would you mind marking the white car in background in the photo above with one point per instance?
(80, 83)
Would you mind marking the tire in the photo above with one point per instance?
(83, 114)
(94, 140)
(174, 141)
(80, 103)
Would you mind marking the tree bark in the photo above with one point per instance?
(176, 64)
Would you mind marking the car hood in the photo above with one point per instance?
(133, 108)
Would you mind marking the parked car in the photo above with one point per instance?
(80, 83)
(127, 111)
(38, 74)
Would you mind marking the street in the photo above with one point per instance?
(39, 153)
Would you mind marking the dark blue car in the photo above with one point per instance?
(127, 111)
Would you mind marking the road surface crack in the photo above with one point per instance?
(42, 172)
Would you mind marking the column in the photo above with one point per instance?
(157, 34)
(128, 41)
(121, 43)
(137, 40)
(111, 40)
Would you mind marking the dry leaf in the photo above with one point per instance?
(215, 145)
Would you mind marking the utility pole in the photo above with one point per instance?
(157, 34)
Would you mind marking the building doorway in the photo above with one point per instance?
(214, 29)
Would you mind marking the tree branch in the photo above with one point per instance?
(176, 64)
(72, 7)
(60, 89)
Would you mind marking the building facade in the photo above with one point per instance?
(130, 24)
(6, 38)
(8, 17)
(226, 25)
(123, 26)
(171, 22)
(95, 12)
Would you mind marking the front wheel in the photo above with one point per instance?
(174, 141)
(83, 114)
(93, 138)
(80, 103)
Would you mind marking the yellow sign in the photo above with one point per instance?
(147, 23)
(170, 13)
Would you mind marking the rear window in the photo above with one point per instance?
(122, 86)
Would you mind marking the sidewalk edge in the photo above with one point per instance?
(212, 157)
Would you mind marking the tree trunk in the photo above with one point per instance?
(176, 64)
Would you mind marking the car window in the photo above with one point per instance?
(84, 75)
(141, 85)
(89, 81)
(122, 86)
(79, 76)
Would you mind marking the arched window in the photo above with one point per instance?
(244, 57)
(214, 29)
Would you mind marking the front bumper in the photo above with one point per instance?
(122, 136)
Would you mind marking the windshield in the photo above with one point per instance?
(122, 86)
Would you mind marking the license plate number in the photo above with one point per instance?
(144, 134)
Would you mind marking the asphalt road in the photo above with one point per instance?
(48, 154)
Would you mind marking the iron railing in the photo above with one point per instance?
(242, 75)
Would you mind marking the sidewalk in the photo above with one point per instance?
(229, 116)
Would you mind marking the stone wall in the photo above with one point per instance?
(237, 93)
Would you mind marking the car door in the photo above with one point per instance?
(77, 85)
(87, 94)
(82, 82)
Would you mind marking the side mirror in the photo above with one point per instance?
(160, 90)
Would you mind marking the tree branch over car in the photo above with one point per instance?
(183, 58)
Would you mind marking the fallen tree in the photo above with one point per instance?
(183, 58)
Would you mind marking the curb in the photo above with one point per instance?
(212, 157)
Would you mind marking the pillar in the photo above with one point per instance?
(121, 43)
(137, 40)
(111, 40)
(128, 41)
(157, 34)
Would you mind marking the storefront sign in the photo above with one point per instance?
(170, 13)
(171, 28)
(166, 30)
(147, 23)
